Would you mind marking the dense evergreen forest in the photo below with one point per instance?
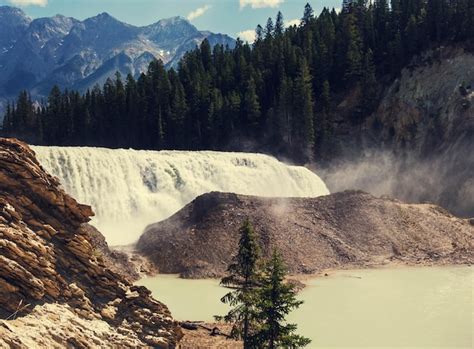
(277, 94)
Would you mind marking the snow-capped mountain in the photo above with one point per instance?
(36, 54)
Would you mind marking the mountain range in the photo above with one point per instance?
(36, 54)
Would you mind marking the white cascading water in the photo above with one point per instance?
(130, 189)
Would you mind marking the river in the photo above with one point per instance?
(405, 307)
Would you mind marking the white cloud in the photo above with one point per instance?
(41, 3)
(247, 35)
(338, 9)
(293, 22)
(260, 3)
(198, 12)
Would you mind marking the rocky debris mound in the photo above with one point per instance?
(342, 230)
(56, 288)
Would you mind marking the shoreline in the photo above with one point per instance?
(329, 272)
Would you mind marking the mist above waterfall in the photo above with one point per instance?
(444, 179)
(130, 189)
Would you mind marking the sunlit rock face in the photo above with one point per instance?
(130, 189)
(47, 256)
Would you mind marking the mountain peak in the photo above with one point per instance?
(11, 10)
(168, 29)
(70, 53)
(12, 22)
(173, 20)
(7, 13)
(104, 17)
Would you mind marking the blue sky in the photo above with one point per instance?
(231, 17)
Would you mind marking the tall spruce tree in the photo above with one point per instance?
(369, 85)
(308, 14)
(275, 300)
(279, 24)
(243, 278)
(303, 111)
(352, 46)
(269, 28)
(7, 121)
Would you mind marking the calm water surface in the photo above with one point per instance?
(386, 308)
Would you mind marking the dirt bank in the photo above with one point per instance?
(343, 230)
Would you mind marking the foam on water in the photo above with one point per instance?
(130, 189)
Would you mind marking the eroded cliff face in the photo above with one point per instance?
(53, 282)
(429, 108)
(343, 230)
(417, 145)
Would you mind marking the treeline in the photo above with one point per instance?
(277, 94)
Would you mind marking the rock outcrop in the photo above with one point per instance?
(343, 230)
(417, 145)
(56, 288)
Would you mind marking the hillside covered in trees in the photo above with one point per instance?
(277, 94)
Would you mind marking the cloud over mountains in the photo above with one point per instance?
(41, 3)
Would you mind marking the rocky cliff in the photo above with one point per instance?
(417, 145)
(56, 289)
(343, 230)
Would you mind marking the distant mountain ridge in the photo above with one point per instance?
(36, 54)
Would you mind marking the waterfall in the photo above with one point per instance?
(129, 189)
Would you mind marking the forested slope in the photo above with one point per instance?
(278, 94)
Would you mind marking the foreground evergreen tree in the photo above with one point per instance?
(260, 299)
(275, 300)
(243, 278)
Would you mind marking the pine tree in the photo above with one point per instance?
(7, 121)
(250, 107)
(179, 110)
(323, 119)
(353, 50)
(308, 15)
(243, 277)
(259, 34)
(279, 24)
(282, 123)
(120, 122)
(275, 300)
(369, 85)
(269, 28)
(131, 117)
(303, 112)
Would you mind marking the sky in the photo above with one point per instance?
(232, 17)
